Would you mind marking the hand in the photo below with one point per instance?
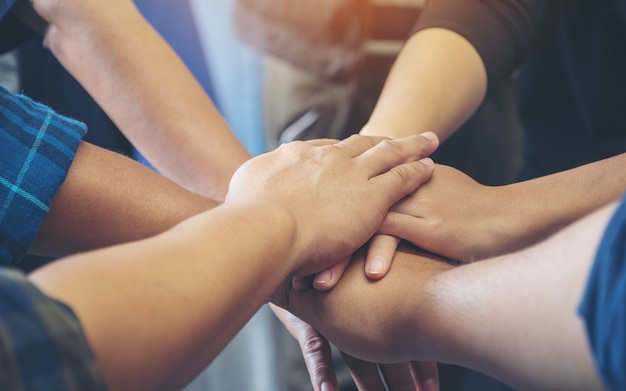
(381, 249)
(410, 376)
(338, 193)
(317, 356)
(375, 320)
(451, 215)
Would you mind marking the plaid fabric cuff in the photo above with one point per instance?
(41, 341)
(38, 146)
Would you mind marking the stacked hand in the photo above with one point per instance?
(377, 181)
(340, 195)
(316, 350)
(451, 215)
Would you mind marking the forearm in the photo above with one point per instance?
(149, 330)
(373, 319)
(109, 199)
(436, 84)
(146, 89)
(515, 317)
(512, 317)
(539, 207)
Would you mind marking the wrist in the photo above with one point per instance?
(530, 216)
(271, 223)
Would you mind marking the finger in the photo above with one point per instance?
(365, 374)
(405, 178)
(399, 377)
(380, 254)
(405, 227)
(327, 279)
(389, 153)
(356, 144)
(315, 348)
(426, 375)
(302, 283)
(322, 141)
(318, 360)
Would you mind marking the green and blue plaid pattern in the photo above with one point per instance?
(38, 146)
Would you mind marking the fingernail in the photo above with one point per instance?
(375, 266)
(323, 277)
(300, 283)
(326, 386)
(427, 162)
(430, 136)
(430, 385)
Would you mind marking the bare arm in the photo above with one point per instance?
(108, 199)
(512, 317)
(146, 89)
(436, 84)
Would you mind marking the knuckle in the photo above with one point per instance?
(406, 173)
(314, 344)
(392, 146)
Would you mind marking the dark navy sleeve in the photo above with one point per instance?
(500, 30)
(12, 31)
(42, 343)
(603, 306)
(5, 6)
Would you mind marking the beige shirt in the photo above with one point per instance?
(391, 48)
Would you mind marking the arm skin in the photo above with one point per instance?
(512, 317)
(193, 287)
(457, 217)
(139, 81)
(109, 199)
(437, 82)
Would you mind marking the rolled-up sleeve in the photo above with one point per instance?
(38, 147)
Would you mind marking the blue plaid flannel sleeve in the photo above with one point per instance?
(38, 146)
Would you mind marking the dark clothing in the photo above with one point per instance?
(572, 57)
(603, 307)
(572, 88)
(42, 344)
(12, 31)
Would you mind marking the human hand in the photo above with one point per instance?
(381, 249)
(451, 215)
(317, 357)
(337, 193)
(384, 321)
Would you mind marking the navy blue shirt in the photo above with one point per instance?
(604, 304)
